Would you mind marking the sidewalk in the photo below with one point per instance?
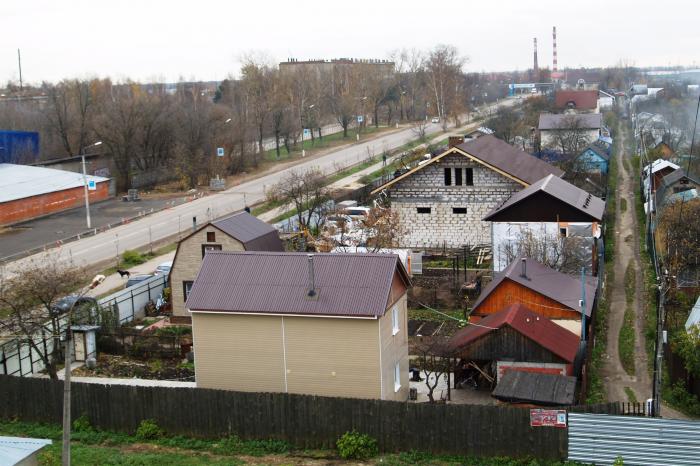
(116, 282)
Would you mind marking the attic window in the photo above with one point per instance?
(448, 176)
(423, 210)
(459, 210)
(211, 236)
(469, 172)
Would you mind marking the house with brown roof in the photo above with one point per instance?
(547, 292)
(515, 338)
(577, 101)
(238, 232)
(552, 216)
(441, 202)
(317, 324)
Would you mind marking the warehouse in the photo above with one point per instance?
(29, 192)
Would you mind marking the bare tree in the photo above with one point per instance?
(550, 249)
(434, 360)
(570, 137)
(307, 191)
(384, 229)
(443, 68)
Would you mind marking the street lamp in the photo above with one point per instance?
(85, 183)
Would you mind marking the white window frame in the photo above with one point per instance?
(395, 321)
(397, 377)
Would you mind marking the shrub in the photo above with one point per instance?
(130, 257)
(148, 430)
(82, 424)
(353, 445)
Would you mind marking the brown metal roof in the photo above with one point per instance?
(347, 285)
(581, 100)
(561, 287)
(255, 234)
(559, 121)
(559, 189)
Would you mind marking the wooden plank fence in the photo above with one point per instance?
(304, 421)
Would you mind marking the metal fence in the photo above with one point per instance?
(601, 439)
(18, 357)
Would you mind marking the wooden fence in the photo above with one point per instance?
(304, 421)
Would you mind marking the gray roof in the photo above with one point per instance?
(558, 121)
(255, 234)
(15, 449)
(532, 387)
(559, 189)
(694, 317)
(560, 287)
(677, 175)
(509, 159)
(348, 285)
(22, 181)
(595, 147)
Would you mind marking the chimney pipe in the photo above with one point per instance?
(194, 223)
(523, 267)
(312, 281)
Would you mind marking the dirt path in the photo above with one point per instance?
(626, 252)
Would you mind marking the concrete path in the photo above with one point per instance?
(116, 282)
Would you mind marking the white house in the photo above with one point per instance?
(552, 125)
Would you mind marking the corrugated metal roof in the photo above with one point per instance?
(21, 181)
(509, 159)
(563, 288)
(351, 285)
(582, 100)
(255, 234)
(560, 189)
(596, 147)
(537, 328)
(559, 121)
(15, 449)
(694, 317)
(532, 387)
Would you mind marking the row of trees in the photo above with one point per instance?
(176, 129)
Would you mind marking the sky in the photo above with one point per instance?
(155, 40)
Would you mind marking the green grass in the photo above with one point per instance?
(426, 314)
(631, 397)
(626, 337)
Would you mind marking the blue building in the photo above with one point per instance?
(18, 146)
(594, 158)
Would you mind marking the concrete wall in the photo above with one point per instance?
(29, 208)
(188, 260)
(426, 188)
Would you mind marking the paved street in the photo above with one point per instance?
(106, 246)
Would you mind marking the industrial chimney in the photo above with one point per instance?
(311, 294)
(535, 67)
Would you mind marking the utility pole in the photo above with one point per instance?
(583, 303)
(87, 198)
(659, 348)
(19, 62)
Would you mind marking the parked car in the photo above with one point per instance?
(164, 268)
(64, 304)
(436, 120)
(136, 279)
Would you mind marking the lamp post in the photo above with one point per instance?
(85, 183)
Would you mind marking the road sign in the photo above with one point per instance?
(307, 133)
(219, 151)
(548, 418)
(92, 186)
(360, 118)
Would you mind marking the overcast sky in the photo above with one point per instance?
(150, 40)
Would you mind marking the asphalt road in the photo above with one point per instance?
(108, 245)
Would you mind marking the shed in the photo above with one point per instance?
(21, 451)
(538, 389)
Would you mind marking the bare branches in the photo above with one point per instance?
(307, 191)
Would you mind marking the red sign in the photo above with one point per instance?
(548, 418)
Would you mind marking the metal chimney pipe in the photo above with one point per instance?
(312, 281)
(194, 223)
(523, 267)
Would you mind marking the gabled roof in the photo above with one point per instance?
(540, 389)
(659, 164)
(676, 176)
(551, 121)
(21, 181)
(694, 317)
(520, 318)
(600, 151)
(558, 286)
(496, 155)
(255, 234)
(582, 100)
(347, 285)
(559, 189)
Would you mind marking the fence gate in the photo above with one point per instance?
(600, 439)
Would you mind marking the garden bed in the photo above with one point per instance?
(125, 367)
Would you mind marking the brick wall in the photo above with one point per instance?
(426, 188)
(45, 204)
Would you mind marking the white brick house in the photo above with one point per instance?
(443, 201)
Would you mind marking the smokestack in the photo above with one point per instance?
(555, 66)
(535, 66)
(523, 267)
(312, 282)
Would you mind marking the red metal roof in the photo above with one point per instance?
(581, 100)
(537, 328)
(347, 285)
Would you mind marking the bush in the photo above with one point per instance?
(353, 445)
(82, 424)
(149, 430)
(130, 258)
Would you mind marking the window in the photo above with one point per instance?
(210, 247)
(563, 232)
(459, 210)
(394, 320)
(458, 177)
(397, 377)
(469, 172)
(186, 288)
(448, 176)
(211, 236)
(423, 210)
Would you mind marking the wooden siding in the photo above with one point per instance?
(510, 292)
(507, 343)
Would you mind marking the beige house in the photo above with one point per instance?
(238, 232)
(321, 324)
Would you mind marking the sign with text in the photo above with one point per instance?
(548, 418)
(219, 151)
(92, 186)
